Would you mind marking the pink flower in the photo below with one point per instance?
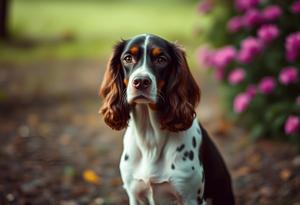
(250, 48)
(268, 33)
(241, 102)
(242, 5)
(271, 13)
(252, 18)
(267, 85)
(245, 56)
(252, 45)
(234, 24)
(292, 125)
(292, 46)
(236, 76)
(251, 91)
(204, 56)
(205, 6)
(295, 8)
(224, 56)
(292, 55)
(288, 75)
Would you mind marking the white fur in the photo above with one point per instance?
(151, 152)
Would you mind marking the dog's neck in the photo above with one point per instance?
(150, 137)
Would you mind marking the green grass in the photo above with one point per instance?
(65, 29)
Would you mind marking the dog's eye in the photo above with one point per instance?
(128, 59)
(161, 60)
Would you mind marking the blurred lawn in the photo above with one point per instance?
(88, 29)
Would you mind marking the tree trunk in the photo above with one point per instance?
(3, 19)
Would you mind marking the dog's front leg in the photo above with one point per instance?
(135, 191)
(132, 199)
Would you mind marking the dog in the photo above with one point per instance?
(168, 157)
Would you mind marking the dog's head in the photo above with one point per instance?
(149, 70)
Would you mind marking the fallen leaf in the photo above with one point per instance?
(91, 177)
(98, 201)
(116, 181)
(285, 174)
(33, 120)
(266, 191)
(242, 171)
(254, 159)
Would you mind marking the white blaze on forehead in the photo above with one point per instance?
(145, 50)
(143, 71)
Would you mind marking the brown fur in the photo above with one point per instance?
(156, 52)
(115, 109)
(134, 50)
(182, 96)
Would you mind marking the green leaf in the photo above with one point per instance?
(257, 132)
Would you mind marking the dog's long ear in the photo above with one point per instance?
(115, 109)
(182, 95)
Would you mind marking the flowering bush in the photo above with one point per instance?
(257, 59)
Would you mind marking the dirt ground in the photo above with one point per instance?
(55, 148)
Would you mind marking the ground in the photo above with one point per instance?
(55, 148)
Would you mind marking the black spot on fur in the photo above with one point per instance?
(194, 142)
(200, 200)
(202, 176)
(172, 166)
(180, 148)
(193, 168)
(191, 155)
(183, 158)
(186, 153)
(126, 157)
(199, 191)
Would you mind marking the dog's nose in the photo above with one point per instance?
(141, 83)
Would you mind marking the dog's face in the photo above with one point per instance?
(149, 70)
(146, 63)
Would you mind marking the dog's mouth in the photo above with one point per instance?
(141, 99)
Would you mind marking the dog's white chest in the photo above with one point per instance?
(167, 173)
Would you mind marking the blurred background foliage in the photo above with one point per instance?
(251, 44)
(41, 29)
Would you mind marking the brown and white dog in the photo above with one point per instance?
(168, 157)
